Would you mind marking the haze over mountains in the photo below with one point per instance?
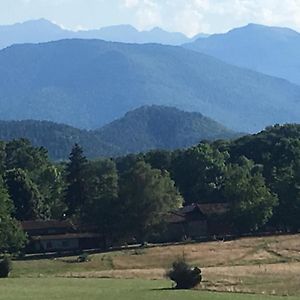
(146, 128)
(271, 50)
(38, 31)
(89, 83)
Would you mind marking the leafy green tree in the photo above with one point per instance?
(20, 154)
(159, 159)
(286, 183)
(126, 162)
(252, 203)
(76, 181)
(146, 196)
(12, 237)
(28, 202)
(51, 185)
(199, 172)
(2, 157)
(278, 149)
(102, 206)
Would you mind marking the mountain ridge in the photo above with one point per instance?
(274, 51)
(88, 83)
(43, 30)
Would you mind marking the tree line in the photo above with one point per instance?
(129, 197)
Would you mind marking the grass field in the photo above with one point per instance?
(265, 266)
(107, 289)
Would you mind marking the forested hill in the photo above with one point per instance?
(146, 128)
(58, 139)
(89, 83)
(160, 127)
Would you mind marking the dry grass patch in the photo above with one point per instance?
(275, 279)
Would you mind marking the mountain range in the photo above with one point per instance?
(146, 128)
(89, 83)
(38, 31)
(271, 50)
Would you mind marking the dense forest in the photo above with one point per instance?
(257, 175)
(146, 128)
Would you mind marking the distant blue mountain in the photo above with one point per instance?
(271, 50)
(38, 31)
(89, 83)
(199, 36)
(128, 34)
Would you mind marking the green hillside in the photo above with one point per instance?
(159, 127)
(146, 128)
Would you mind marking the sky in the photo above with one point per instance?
(187, 16)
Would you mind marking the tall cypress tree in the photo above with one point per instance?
(76, 191)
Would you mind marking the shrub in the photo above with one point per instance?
(84, 257)
(184, 276)
(5, 267)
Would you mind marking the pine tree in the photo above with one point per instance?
(76, 191)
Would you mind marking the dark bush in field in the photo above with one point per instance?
(184, 276)
(84, 257)
(5, 267)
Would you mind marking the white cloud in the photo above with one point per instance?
(190, 21)
(131, 3)
(192, 16)
(147, 13)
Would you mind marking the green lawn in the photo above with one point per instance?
(107, 289)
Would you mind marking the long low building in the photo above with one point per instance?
(189, 222)
(56, 236)
(197, 221)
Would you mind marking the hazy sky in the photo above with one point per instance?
(188, 16)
